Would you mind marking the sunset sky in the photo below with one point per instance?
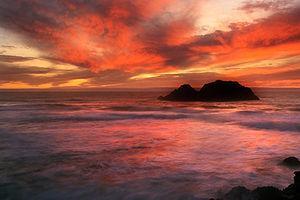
(142, 43)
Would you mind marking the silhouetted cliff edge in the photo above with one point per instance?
(214, 91)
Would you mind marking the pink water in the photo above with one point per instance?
(80, 145)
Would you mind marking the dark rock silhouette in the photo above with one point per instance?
(269, 192)
(292, 192)
(239, 192)
(183, 93)
(226, 91)
(297, 181)
(214, 91)
(291, 162)
(260, 193)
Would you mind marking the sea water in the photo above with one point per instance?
(129, 145)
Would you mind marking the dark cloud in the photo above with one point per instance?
(110, 77)
(178, 55)
(293, 74)
(95, 79)
(13, 73)
(11, 59)
(266, 5)
(35, 75)
(7, 69)
(8, 46)
(209, 40)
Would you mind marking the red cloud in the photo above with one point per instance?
(99, 34)
(136, 35)
(279, 29)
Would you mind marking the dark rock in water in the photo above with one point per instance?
(215, 91)
(183, 93)
(297, 181)
(292, 192)
(237, 193)
(267, 193)
(226, 91)
(291, 162)
(260, 193)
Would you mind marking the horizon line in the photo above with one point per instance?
(99, 89)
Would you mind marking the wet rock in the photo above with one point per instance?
(297, 181)
(267, 193)
(291, 162)
(260, 193)
(214, 91)
(239, 193)
(292, 192)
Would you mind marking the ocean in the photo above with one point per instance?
(129, 145)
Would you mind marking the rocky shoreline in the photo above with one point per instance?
(292, 192)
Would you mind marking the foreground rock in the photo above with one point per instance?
(292, 192)
(214, 91)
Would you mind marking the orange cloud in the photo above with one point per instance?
(99, 34)
(148, 37)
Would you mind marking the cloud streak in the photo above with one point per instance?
(266, 5)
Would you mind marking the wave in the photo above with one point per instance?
(38, 106)
(218, 107)
(103, 117)
(60, 112)
(276, 126)
(138, 108)
(178, 108)
(250, 112)
(295, 109)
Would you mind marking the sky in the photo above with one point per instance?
(148, 44)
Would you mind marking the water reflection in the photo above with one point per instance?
(88, 148)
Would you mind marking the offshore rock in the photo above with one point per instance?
(212, 92)
(183, 93)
